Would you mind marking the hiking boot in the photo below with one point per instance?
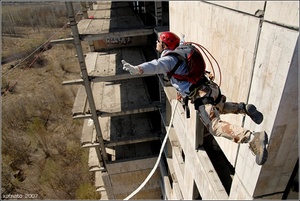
(258, 147)
(253, 113)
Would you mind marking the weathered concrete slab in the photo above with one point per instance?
(107, 66)
(108, 63)
(251, 7)
(126, 176)
(94, 163)
(120, 130)
(283, 12)
(122, 95)
(105, 13)
(80, 102)
(88, 138)
(122, 26)
(112, 97)
(275, 90)
(130, 127)
(105, 5)
(99, 184)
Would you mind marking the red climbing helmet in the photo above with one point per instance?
(170, 39)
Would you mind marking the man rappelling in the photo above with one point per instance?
(185, 67)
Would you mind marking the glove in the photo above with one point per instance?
(179, 97)
(128, 67)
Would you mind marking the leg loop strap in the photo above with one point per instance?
(202, 101)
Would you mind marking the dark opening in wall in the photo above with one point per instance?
(165, 162)
(137, 150)
(196, 193)
(183, 155)
(146, 11)
(292, 189)
(222, 166)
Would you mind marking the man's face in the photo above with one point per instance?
(159, 46)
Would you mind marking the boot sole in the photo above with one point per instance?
(254, 114)
(262, 157)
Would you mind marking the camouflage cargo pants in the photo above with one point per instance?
(210, 114)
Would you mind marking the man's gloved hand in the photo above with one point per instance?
(128, 67)
(179, 97)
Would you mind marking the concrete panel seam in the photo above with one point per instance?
(282, 25)
(258, 14)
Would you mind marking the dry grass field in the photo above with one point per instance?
(41, 153)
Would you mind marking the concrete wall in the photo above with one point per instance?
(122, 178)
(120, 42)
(255, 44)
(195, 166)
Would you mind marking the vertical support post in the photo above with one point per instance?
(91, 5)
(199, 132)
(84, 10)
(158, 13)
(162, 100)
(85, 77)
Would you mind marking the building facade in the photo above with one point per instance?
(256, 45)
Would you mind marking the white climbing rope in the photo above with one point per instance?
(158, 159)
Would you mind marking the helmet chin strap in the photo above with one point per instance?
(164, 46)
